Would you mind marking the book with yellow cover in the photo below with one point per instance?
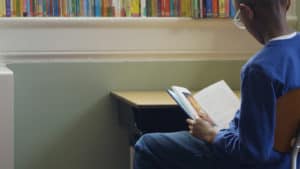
(135, 8)
(2, 8)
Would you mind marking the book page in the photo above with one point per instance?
(220, 102)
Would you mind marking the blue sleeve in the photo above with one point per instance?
(253, 141)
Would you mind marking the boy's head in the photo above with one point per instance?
(262, 16)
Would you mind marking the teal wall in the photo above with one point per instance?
(65, 118)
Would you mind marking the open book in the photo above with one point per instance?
(216, 103)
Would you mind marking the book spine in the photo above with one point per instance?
(200, 3)
(116, 8)
(215, 9)
(227, 8)
(189, 8)
(8, 8)
(224, 8)
(176, 8)
(172, 8)
(78, 7)
(158, 8)
(86, 7)
(128, 7)
(162, 8)
(27, 8)
(204, 8)
(40, 8)
(209, 8)
(143, 8)
(167, 8)
(73, 7)
(135, 5)
(104, 8)
(2, 8)
(97, 8)
(148, 8)
(195, 9)
(23, 8)
(232, 9)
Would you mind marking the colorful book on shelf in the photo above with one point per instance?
(8, 8)
(143, 8)
(135, 8)
(224, 8)
(2, 8)
(97, 8)
(232, 9)
(216, 103)
(209, 8)
(215, 8)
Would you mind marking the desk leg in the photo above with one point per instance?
(127, 120)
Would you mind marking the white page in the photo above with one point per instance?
(220, 102)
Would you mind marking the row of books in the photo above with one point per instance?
(115, 8)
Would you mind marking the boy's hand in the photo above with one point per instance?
(202, 129)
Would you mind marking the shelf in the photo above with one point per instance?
(119, 21)
(109, 22)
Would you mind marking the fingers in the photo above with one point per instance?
(190, 121)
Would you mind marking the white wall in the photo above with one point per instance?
(6, 118)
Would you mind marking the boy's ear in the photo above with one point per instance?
(246, 11)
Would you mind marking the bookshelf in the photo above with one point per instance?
(40, 39)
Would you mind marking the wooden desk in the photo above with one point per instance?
(148, 111)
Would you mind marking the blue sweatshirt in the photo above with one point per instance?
(248, 142)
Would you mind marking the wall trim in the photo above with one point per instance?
(120, 56)
(6, 118)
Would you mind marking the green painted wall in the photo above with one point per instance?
(65, 118)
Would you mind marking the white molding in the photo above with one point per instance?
(6, 118)
(122, 56)
(33, 22)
